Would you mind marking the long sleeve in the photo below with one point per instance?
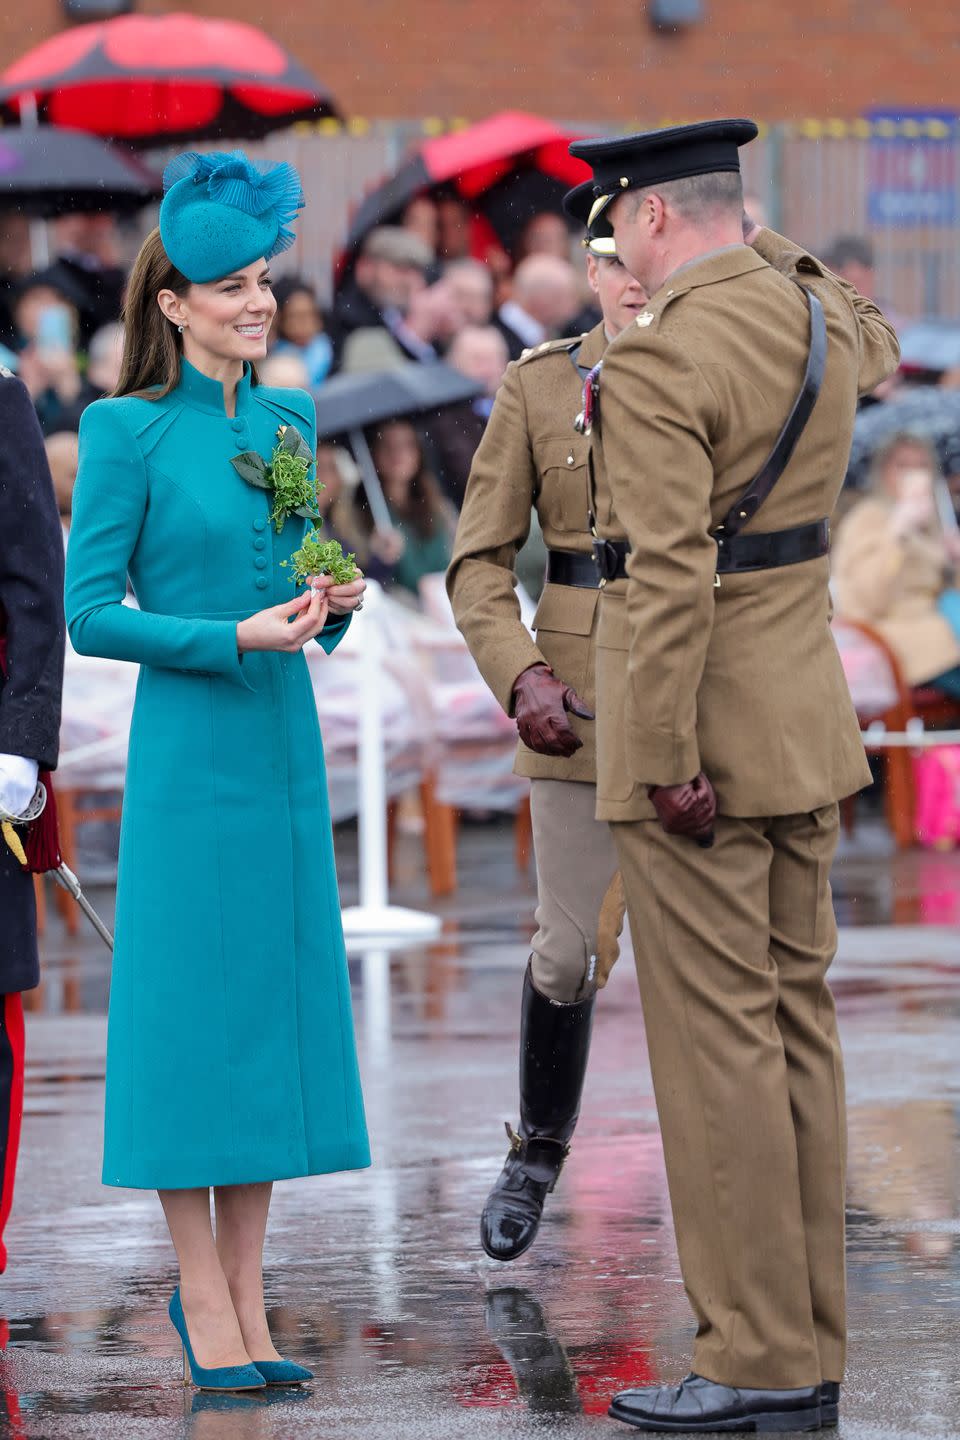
(879, 346)
(31, 586)
(494, 524)
(648, 388)
(109, 506)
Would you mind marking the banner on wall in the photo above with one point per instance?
(912, 169)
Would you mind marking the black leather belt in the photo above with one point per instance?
(572, 567)
(736, 554)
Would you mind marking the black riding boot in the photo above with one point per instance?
(540, 1365)
(554, 1045)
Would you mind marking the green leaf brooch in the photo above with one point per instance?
(294, 493)
(287, 474)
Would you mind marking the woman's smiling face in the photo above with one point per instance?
(229, 319)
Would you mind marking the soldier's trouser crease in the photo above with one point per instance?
(576, 863)
(742, 1036)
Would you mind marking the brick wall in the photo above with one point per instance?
(776, 59)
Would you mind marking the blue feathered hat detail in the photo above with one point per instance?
(221, 212)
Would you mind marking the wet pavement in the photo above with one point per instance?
(375, 1279)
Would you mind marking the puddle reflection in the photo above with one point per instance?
(379, 1275)
(904, 1167)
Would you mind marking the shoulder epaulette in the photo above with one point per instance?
(810, 265)
(552, 347)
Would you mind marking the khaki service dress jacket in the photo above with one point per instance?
(531, 456)
(742, 681)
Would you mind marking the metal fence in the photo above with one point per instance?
(895, 182)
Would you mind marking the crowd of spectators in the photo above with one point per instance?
(414, 292)
(433, 288)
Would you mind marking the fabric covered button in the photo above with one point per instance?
(261, 562)
(261, 582)
(259, 543)
(236, 425)
(260, 524)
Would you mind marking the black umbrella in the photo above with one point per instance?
(347, 404)
(926, 411)
(47, 171)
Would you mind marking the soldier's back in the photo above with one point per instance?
(721, 361)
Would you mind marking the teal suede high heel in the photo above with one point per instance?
(283, 1372)
(222, 1377)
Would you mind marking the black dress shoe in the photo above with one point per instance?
(700, 1406)
(554, 1046)
(829, 1404)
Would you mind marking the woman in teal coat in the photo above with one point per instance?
(231, 1060)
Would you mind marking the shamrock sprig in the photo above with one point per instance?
(317, 556)
(287, 474)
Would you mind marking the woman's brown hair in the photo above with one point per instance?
(885, 452)
(424, 511)
(152, 348)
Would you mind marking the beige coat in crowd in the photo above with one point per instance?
(742, 681)
(893, 583)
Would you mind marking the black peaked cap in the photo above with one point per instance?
(598, 241)
(629, 162)
(578, 202)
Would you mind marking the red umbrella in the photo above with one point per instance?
(157, 79)
(507, 168)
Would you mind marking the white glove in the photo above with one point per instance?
(18, 783)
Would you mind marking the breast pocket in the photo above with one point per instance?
(564, 493)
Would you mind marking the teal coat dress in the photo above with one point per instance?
(230, 1052)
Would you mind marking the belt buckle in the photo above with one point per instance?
(606, 559)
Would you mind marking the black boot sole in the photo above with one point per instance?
(774, 1422)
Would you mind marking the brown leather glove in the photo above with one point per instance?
(688, 809)
(540, 705)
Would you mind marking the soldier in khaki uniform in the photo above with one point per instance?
(530, 456)
(726, 737)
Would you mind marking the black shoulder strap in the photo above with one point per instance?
(779, 457)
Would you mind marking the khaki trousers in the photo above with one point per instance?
(742, 1035)
(576, 863)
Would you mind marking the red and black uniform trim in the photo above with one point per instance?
(11, 1103)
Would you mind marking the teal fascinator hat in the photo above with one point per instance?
(220, 212)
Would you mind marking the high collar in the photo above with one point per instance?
(723, 264)
(593, 345)
(202, 393)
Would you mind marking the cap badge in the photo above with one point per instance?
(646, 318)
